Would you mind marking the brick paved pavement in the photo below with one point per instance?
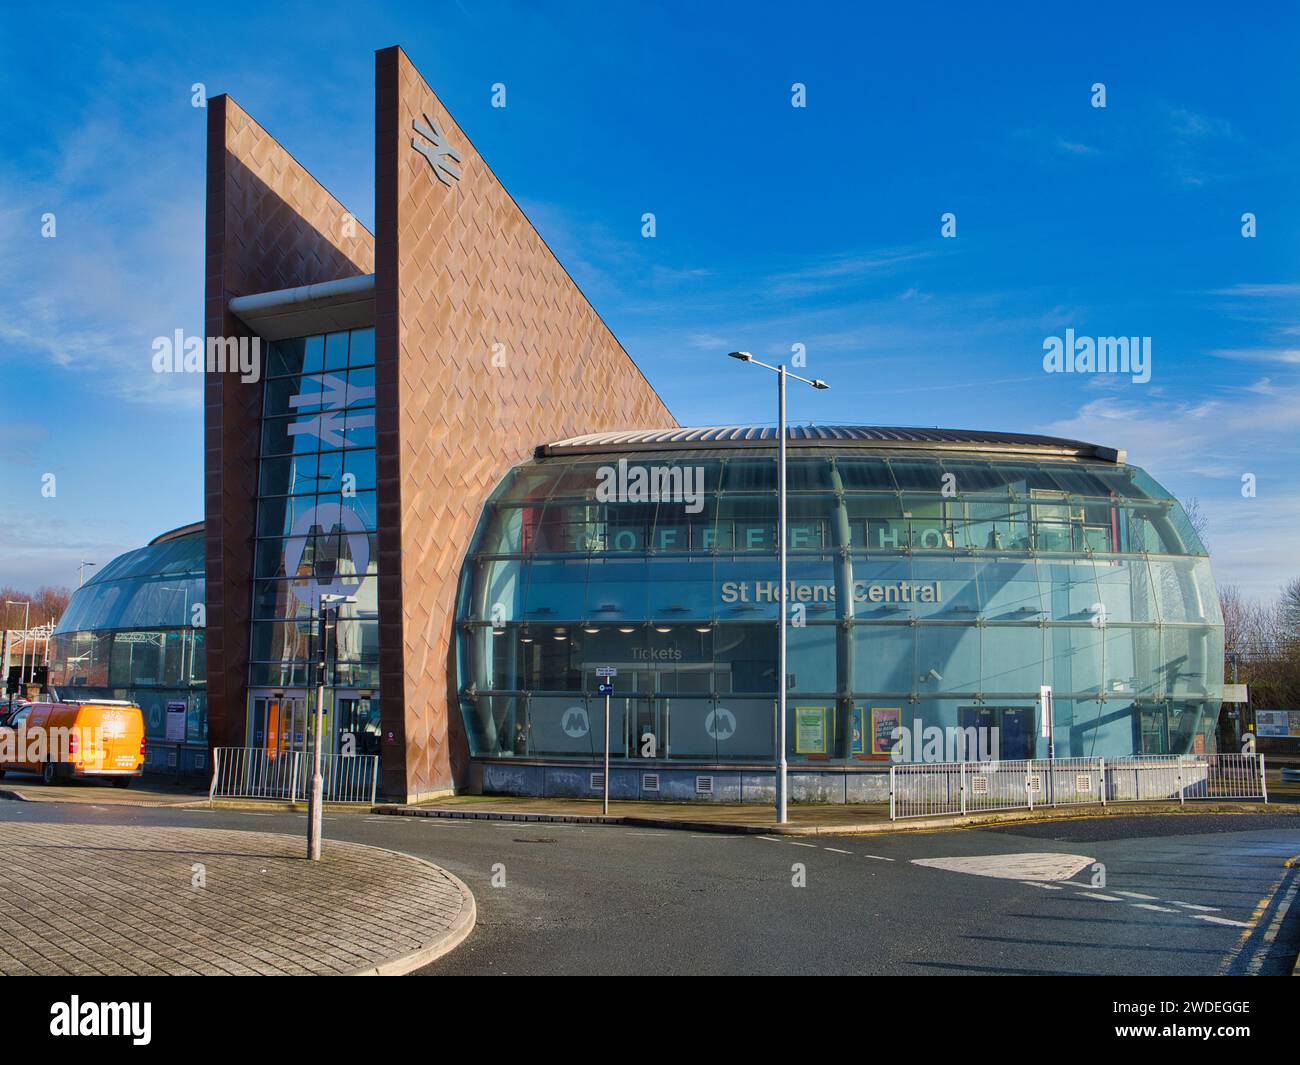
(114, 900)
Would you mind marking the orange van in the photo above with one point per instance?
(61, 741)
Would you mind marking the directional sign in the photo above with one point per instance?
(606, 671)
(604, 689)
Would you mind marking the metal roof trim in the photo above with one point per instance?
(891, 438)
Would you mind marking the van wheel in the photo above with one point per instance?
(50, 773)
(121, 782)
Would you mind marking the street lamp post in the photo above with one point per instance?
(315, 802)
(782, 683)
(81, 572)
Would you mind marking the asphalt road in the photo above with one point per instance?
(1121, 895)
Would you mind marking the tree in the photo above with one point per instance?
(1196, 517)
(47, 606)
(1290, 607)
(1264, 638)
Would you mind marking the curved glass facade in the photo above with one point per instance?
(132, 632)
(927, 588)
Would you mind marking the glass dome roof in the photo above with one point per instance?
(152, 587)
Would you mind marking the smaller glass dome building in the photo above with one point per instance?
(135, 631)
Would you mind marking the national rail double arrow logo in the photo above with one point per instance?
(437, 151)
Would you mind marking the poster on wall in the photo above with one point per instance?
(1283, 723)
(884, 721)
(175, 722)
(810, 729)
(857, 733)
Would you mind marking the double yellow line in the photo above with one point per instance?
(1258, 955)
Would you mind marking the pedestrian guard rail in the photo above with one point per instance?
(959, 788)
(257, 773)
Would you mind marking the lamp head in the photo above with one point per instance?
(819, 383)
(743, 356)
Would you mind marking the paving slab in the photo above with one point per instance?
(119, 900)
(145, 791)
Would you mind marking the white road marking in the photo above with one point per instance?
(878, 857)
(1220, 920)
(772, 839)
(836, 850)
(1034, 866)
(1194, 906)
(796, 843)
(1100, 896)
(1039, 884)
(1152, 906)
(1136, 895)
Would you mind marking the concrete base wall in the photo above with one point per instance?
(683, 783)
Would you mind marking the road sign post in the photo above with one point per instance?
(606, 689)
(1049, 730)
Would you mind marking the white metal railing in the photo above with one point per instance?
(952, 788)
(256, 773)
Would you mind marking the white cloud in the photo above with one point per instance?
(125, 266)
(1203, 448)
(1258, 291)
(1286, 356)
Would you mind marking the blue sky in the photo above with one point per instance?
(776, 225)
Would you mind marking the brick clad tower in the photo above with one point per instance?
(484, 349)
(270, 225)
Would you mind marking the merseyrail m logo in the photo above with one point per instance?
(437, 151)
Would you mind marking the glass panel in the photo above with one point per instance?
(336, 351)
(749, 475)
(811, 658)
(865, 475)
(947, 658)
(1011, 659)
(1075, 658)
(362, 347)
(562, 725)
(695, 728)
(750, 723)
(883, 658)
(917, 474)
(286, 358)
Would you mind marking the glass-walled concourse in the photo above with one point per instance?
(926, 589)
